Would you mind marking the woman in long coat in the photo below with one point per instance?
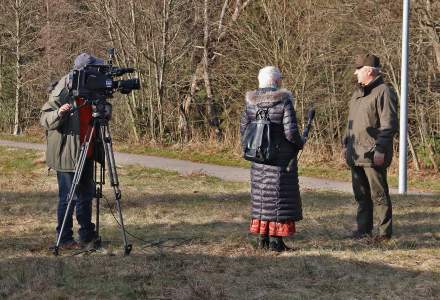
(276, 201)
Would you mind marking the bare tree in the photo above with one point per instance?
(429, 22)
(196, 58)
(1, 71)
(148, 35)
(204, 63)
(20, 29)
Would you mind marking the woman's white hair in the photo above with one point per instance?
(268, 77)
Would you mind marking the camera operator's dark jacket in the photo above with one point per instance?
(372, 123)
(274, 190)
(63, 134)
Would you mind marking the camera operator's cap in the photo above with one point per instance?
(85, 59)
(369, 60)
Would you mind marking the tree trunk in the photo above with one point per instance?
(17, 116)
(150, 104)
(162, 64)
(1, 74)
(414, 155)
(186, 104)
(48, 46)
(18, 79)
(432, 157)
(212, 115)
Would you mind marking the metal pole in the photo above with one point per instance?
(403, 147)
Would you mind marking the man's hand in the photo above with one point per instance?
(344, 154)
(378, 159)
(65, 108)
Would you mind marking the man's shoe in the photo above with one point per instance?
(89, 241)
(356, 235)
(381, 238)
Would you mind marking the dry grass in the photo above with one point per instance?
(195, 244)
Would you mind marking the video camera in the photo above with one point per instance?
(95, 83)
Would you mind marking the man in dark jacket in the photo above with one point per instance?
(66, 131)
(276, 201)
(368, 146)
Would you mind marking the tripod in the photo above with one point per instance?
(99, 126)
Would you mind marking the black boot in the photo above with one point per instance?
(277, 244)
(263, 242)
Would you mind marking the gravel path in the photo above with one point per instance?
(225, 173)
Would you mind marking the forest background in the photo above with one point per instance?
(197, 58)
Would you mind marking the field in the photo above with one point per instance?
(192, 243)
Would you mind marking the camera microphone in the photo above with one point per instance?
(310, 117)
(121, 71)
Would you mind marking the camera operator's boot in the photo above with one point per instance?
(89, 241)
(71, 245)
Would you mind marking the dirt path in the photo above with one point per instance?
(188, 167)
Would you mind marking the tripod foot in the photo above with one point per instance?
(55, 250)
(127, 249)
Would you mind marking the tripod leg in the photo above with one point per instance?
(76, 178)
(111, 166)
(98, 196)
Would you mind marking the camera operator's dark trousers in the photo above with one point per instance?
(82, 202)
(370, 189)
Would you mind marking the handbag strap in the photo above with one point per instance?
(262, 113)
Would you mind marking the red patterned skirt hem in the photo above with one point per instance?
(273, 228)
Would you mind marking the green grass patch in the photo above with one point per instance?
(34, 138)
(14, 160)
(223, 157)
(424, 181)
(323, 171)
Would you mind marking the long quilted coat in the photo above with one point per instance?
(274, 188)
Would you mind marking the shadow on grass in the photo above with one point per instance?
(172, 275)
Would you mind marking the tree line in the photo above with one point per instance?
(196, 59)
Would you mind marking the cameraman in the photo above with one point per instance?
(67, 120)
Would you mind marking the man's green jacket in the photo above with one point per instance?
(372, 124)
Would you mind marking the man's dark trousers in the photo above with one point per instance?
(82, 202)
(370, 189)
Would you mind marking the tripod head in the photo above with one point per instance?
(101, 109)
